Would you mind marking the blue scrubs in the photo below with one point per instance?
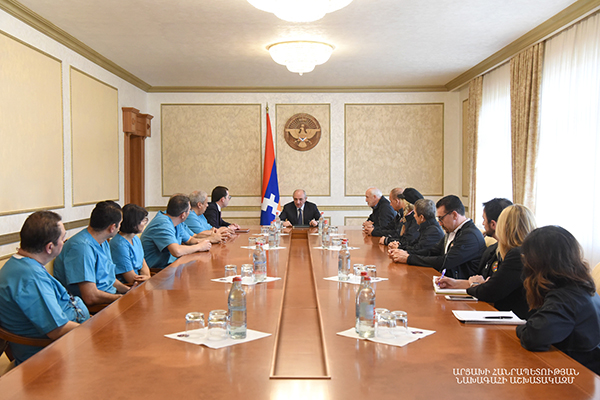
(84, 260)
(157, 237)
(127, 257)
(33, 303)
(197, 223)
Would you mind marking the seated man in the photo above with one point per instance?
(460, 251)
(395, 226)
(382, 214)
(32, 302)
(85, 265)
(167, 238)
(219, 200)
(430, 231)
(300, 212)
(197, 223)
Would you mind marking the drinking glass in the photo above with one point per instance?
(401, 322)
(230, 270)
(194, 324)
(217, 325)
(358, 268)
(264, 229)
(372, 270)
(336, 242)
(386, 325)
(252, 242)
(247, 273)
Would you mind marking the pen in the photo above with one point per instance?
(443, 273)
(498, 317)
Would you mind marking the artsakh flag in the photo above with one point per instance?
(270, 190)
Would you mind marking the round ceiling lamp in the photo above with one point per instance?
(300, 56)
(299, 10)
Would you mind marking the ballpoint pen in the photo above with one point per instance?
(498, 317)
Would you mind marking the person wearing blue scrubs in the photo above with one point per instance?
(197, 223)
(167, 238)
(126, 247)
(32, 303)
(85, 266)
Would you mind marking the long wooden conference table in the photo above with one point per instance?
(121, 353)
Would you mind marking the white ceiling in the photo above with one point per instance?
(222, 43)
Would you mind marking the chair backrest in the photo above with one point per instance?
(7, 337)
(596, 276)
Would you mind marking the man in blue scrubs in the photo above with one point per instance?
(85, 266)
(167, 238)
(197, 222)
(32, 302)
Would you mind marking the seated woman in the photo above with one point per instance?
(559, 285)
(410, 227)
(504, 286)
(126, 247)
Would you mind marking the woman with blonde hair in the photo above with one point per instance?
(504, 287)
(559, 285)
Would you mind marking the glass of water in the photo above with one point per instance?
(401, 322)
(247, 274)
(230, 270)
(252, 242)
(372, 270)
(386, 325)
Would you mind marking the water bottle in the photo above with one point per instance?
(325, 237)
(236, 317)
(365, 310)
(344, 262)
(363, 275)
(278, 223)
(272, 231)
(260, 263)
(320, 223)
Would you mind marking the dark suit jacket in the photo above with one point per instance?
(213, 216)
(290, 213)
(462, 259)
(382, 214)
(430, 233)
(392, 229)
(505, 286)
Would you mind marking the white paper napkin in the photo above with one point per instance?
(216, 344)
(354, 279)
(229, 279)
(265, 246)
(336, 248)
(400, 340)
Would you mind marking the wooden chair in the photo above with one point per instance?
(7, 337)
(596, 276)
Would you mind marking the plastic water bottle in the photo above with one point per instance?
(344, 262)
(365, 310)
(272, 231)
(278, 223)
(236, 317)
(320, 223)
(260, 263)
(325, 237)
(363, 275)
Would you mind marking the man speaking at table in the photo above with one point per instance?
(300, 212)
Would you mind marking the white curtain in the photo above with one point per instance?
(568, 166)
(494, 164)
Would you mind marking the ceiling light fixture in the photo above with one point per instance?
(300, 56)
(299, 10)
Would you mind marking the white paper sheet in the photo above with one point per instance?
(216, 344)
(229, 279)
(400, 340)
(354, 279)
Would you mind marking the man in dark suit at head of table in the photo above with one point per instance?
(219, 200)
(382, 214)
(300, 212)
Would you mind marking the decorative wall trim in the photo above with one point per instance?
(257, 208)
(34, 20)
(314, 89)
(15, 237)
(556, 24)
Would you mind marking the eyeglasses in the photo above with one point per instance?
(440, 219)
(228, 197)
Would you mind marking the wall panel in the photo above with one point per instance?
(31, 129)
(389, 145)
(95, 139)
(206, 145)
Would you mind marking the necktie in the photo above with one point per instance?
(300, 219)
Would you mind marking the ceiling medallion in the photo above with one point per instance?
(299, 10)
(300, 56)
(302, 132)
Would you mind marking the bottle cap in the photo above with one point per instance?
(237, 279)
(364, 273)
(367, 279)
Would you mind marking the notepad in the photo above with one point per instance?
(439, 290)
(488, 317)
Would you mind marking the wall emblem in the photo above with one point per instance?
(302, 132)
